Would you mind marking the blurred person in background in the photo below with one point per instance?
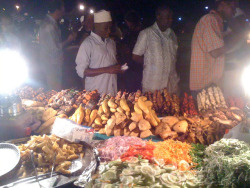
(156, 48)
(8, 34)
(208, 47)
(132, 77)
(86, 28)
(235, 58)
(51, 45)
(96, 59)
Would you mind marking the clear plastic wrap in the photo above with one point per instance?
(69, 130)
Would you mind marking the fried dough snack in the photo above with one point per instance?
(45, 148)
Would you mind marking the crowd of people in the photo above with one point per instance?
(151, 53)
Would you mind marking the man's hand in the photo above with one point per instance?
(115, 69)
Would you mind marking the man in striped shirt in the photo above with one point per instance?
(208, 47)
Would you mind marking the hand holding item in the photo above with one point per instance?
(124, 67)
(115, 69)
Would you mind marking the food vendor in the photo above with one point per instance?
(156, 48)
(96, 59)
(208, 47)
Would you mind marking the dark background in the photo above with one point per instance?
(187, 9)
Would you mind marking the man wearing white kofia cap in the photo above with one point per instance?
(96, 58)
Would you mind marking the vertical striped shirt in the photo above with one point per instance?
(208, 36)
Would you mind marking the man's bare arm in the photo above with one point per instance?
(137, 58)
(115, 69)
(218, 52)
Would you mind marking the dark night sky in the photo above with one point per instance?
(187, 9)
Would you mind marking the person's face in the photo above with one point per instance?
(103, 29)
(228, 10)
(165, 18)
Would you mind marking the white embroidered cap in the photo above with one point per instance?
(102, 16)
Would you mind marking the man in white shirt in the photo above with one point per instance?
(51, 53)
(96, 58)
(156, 47)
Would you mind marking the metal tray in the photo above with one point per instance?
(45, 180)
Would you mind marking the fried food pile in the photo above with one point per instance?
(47, 150)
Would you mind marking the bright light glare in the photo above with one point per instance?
(17, 7)
(180, 18)
(13, 71)
(81, 7)
(246, 80)
(206, 7)
(91, 11)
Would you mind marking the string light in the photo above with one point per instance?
(81, 7)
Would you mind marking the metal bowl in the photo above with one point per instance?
(9, 159)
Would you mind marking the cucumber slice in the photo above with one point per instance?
(109, 176)
(132, 165)
(181, 176)
(133, 160)
(114, 163)
(192, 184)
(169, 179)
(108, 186)
(147, 170)
(144, 161)
(102, 168)
(127, 172)
(157, 185)
(170, 168)
(157, 170)
(126, 180)
(98, 185)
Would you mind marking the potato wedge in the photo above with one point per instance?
(144, 125)
(142, 105)
(137, 109)
(132, 126)
(124, 105)
(145, 134)
(105, 106)
(136, 117)
(135, 132)
(112, 104)
(93, 116)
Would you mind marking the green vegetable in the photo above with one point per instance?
(227, 164)
(197, 154)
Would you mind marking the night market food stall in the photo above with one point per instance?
(50, 138)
